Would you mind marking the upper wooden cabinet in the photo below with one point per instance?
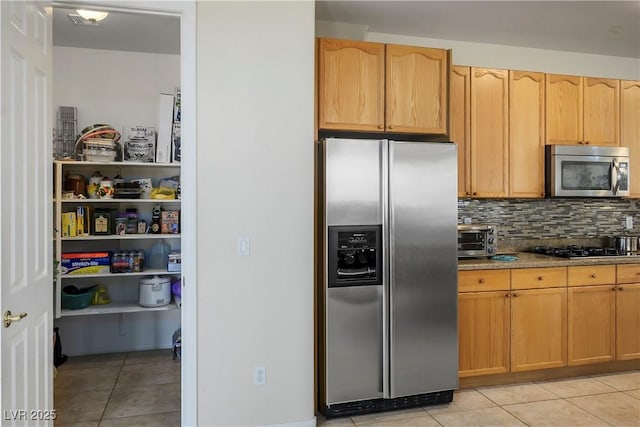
(417, 89)
(350, 85)
(526, 134)
(630, 128)
(601, 111)
(582, 110)
(564, 109)
(460, 124)
(365, 86)
(489, 158)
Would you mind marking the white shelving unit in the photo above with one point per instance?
(121, 287)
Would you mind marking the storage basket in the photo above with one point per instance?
(79, 300)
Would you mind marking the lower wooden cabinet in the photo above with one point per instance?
(484, 333)
(628, 321)
(538, 329)
(539, 318)
(592, 324)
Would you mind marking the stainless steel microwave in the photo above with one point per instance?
(586, 171)
(477, 240)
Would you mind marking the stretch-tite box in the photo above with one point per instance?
(85, 263)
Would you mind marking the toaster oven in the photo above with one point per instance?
(477, 240)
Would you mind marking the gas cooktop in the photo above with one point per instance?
(571, 252)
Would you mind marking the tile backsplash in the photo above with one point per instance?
(571, 218)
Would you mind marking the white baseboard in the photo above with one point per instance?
(306, 423)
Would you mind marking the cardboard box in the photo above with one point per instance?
(83, 221)
(176, 143)
(85, 263)
(170, 222)
(69, 224)
(165, 127)
(174, 262)
(102, 223)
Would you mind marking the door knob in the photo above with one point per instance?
(9, 318)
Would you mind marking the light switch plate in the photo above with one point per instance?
(244, 246)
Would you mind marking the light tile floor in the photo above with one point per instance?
(119, 389)
(599, 400)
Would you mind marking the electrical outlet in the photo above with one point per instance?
(260, 375)
(629, 222)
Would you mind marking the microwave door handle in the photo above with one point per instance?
(615, 177)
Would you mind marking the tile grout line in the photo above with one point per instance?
(585, 410)
(115, 383)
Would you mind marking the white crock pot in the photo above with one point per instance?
(154, 291)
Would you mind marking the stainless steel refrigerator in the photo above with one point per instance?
(388, 292)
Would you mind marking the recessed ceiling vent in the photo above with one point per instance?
(79, 20)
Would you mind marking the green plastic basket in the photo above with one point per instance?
(77, 301)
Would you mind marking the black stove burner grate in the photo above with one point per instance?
(577, 251)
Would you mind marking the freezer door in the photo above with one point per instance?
(353, 182)
(423, 267)
(354, 344)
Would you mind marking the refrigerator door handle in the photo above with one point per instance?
(387, 246)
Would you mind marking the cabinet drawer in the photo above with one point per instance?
(537, 278)
(628, 273)
(592, 275)
(484, 280)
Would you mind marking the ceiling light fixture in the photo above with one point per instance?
(92, 15)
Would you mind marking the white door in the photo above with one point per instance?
(26, 252)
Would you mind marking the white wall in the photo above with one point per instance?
(255, 168)
(120, 89)
(117, 88)
(501, 56)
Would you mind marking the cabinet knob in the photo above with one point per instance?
(621, 288)
(507, 295)
(515, 295)
(475, 194)
(380, 126)
(540, 277)
(390, 126)
(580, 142)
(481, 281)
(468, 194)
(593, 276)
(587, 142)
(613, 289)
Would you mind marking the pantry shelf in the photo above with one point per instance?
(137, 273)
(123, 237)
(78, 219)
(116, 308)
(87, 201)
(118, 164)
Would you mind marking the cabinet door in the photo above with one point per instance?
(601, 111)
(628, 322)
(489, 132)
(591, 324)
(483, 333)
(564, 109)
(460, 124)
(538, 329)
(350, 85)
(526, 134)
(417, 92)
(630, 128)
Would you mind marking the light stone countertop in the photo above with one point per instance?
(532, 260)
